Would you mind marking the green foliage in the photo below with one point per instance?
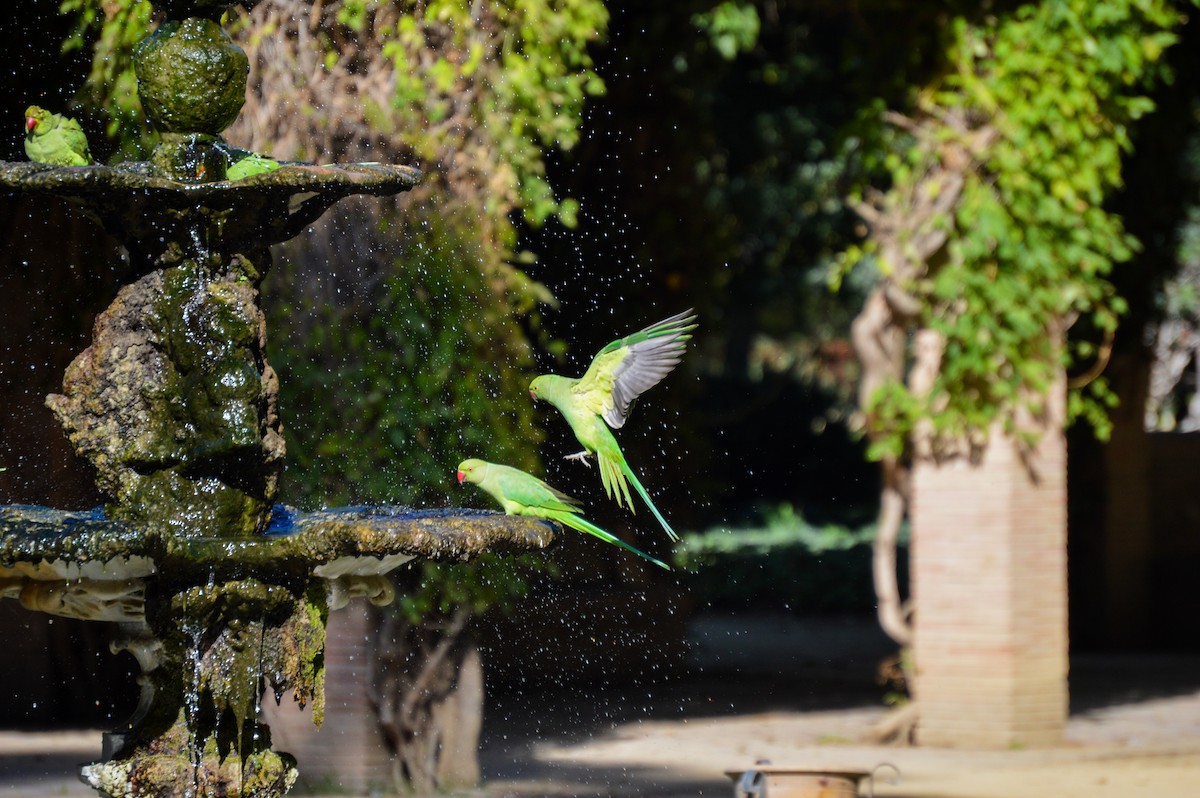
(491, 582)
(776, 171)
(1181, 295)
(732, 27)
(112, 30)
(786, 562)
(423, 370)
(382, 397)
(1059, 84)
(522, 68)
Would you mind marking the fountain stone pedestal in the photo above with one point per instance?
(220, 591)
(214, 622)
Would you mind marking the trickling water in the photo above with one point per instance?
(194, 632)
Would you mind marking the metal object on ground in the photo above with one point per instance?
(765, 780)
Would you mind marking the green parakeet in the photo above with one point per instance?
(241, 163)
(249, 164)
(524, 494)
(604, 396)
(54, 139)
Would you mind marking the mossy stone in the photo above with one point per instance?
(191, 77)
(189, 157)
(187, 505)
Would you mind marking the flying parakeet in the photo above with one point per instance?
(619, 373)
(524, 494)
(54, 139)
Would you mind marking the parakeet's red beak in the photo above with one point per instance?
(461, 476)
(30, 124)
(533, 393)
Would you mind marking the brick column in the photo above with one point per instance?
(990, 590)
(346, 755)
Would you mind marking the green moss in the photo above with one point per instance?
(189, 157)
(171, 500)
(216, 606)
(191, 77)
(268, 773)
(304, 650)
(175, 764)
(230, 622)
(200, 465)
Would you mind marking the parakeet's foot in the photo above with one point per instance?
(582, 457)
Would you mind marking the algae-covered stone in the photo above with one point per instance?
(174, 403)
(191, 77)
(190, 157)
(176, 765)
(298, 652)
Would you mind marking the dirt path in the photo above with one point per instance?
(801, 693)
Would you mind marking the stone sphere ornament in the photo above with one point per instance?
(191, 77)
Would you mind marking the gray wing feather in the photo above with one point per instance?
(646, 364)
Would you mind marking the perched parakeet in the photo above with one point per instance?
(54, 139)
(619, 373)
(249, 163)
(524, 494)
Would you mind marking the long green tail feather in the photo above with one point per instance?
(646, 498)
(584, 525)
(615, 486)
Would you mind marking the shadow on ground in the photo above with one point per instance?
(794, 689)
(1108, 680)
(802, 686)
(735, 666)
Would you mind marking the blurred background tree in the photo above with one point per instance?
(993, 243)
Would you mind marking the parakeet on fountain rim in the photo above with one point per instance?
(524, 494)
(244, 163)
(55, 139)
(604, 396)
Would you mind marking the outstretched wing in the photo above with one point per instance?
(630, 366)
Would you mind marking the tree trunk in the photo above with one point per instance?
(428, 695)
(459, 720)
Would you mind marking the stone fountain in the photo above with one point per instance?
(220, 592)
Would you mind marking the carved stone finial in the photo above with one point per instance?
(191, 77)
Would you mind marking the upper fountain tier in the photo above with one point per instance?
(174, 403)
(147, 211)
